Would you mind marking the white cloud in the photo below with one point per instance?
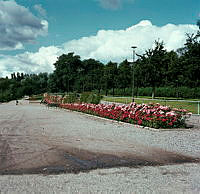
(106, 45)
(116, 45)
(28, 62)
(18, 26)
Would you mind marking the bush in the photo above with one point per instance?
(5, 96)
(173, 92)
(71, 98)
(36, 97)
(88, 97)
(84, 96)
(166, 92)
(144, 91)
(186, 92)
(180, 92)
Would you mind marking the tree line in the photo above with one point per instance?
(156, 68)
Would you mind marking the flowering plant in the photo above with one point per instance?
(147, 115)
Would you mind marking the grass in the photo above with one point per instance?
(36, 97)
(190, 106)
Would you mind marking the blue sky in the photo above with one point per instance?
(73, 19)
(90, 28)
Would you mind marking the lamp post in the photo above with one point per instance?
(133, 47)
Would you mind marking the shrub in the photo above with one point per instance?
(88, 97)
(84, 96)
(5, 96)
(174, 92)
(71, 98)
(36, 97)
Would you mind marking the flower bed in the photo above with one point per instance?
(147, 115)
(154, 115)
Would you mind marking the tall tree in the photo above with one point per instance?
(190, 57)
(110, 77)
(124, 75)
(67, 71)
(92, 75)
(153, 64)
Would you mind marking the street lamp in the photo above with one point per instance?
(133, 47)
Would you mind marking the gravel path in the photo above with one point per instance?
(65, 128)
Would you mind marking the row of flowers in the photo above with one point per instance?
(147, 115)
(50, 99)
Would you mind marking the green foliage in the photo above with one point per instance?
(84, 96)
(22, 84)
(67, 71)
(71, 98)
(124, 75)
(36, 97)
(5, 96)
(160, 92)
(88, 97)
(174, 92)
(110, 77)
(91, 75)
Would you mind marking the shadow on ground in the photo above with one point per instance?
(34, 155)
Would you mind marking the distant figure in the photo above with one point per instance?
(17, 102)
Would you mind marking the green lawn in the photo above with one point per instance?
(190, 106)
(36, 97)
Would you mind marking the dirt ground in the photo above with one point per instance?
(37, 140)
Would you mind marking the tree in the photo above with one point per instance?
(110, 77)
(51, 83)
(91, 75)
(153, 65)
(67, 71)
(190, 60)
(173, 70)
(124, 75)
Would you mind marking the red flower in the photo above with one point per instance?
(170, 124)
(139, 122)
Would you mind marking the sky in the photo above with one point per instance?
(34, 33)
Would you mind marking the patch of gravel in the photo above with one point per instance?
(165, 179)
(194, 121)
(181, 178)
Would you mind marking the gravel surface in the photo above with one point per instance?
(34, 124)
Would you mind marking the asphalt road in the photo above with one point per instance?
(36, 141)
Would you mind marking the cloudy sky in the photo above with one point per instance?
(33, 33)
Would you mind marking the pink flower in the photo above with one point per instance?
(170, 124)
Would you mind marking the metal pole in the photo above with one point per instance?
(133, 47)
(198, 109)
